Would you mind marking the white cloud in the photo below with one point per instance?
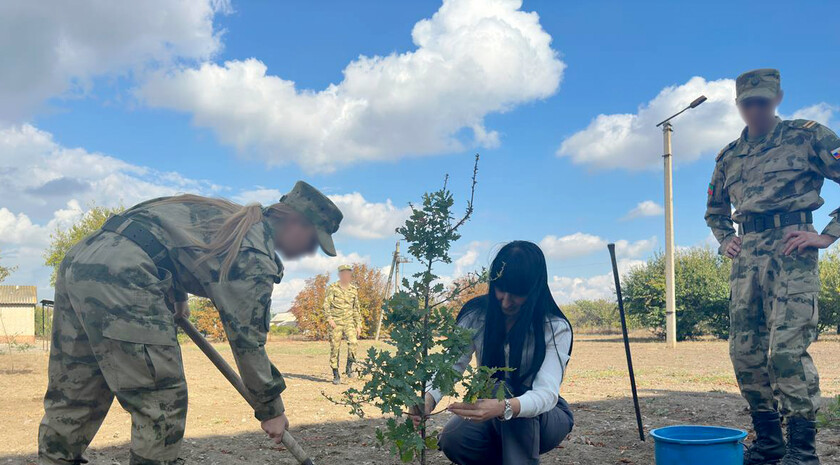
(369, 220)
(645, 209)
(468, 260)
(573, 245)
(472, 58)
(821, 112)
(320, 263)
(633, 141)
(581, 244)
(284, 294)
(44, 185)
(568, 289)
(55, 49)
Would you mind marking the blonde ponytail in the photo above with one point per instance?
(228, 239)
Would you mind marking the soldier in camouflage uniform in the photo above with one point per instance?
(114, 328)
(772, 175)
(341, 306)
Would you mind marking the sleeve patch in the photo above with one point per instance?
(836, 153)
(809, 124)
(711, 190)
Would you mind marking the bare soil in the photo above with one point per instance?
(692, 384)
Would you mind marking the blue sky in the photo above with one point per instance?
(133, 107)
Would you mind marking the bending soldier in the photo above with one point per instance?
(114, 328)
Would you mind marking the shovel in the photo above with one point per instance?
(237, 383)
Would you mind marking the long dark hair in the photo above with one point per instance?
(520, 269)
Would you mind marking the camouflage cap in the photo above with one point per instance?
(764, 83)
(318, 209)
(344, 268)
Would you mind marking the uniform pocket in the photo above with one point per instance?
(140, 354)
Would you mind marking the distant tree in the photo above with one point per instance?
(702, 294)
(61, 240)
(598, 315)
(6, 271)
(829, 298)
(308, 307)
(371, 286)
(206, 319)
(466, 288)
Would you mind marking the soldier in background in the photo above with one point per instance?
(114, 328)
(341, 306)
(772, 175)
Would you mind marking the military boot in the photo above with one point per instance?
(801, 443)
(769, 444)
(350, 373)
(336, 377)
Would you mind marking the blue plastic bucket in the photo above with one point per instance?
(698, 445)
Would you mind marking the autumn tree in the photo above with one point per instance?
(205, 317)
(466, 288)
(5, 272)
(61, 240)
(307, 307)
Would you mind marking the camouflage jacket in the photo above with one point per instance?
(782, 173)
(342, 305)
(243, 300)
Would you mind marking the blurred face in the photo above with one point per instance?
(345, 276)
(510, 303)
(296, 237)
(759, 112)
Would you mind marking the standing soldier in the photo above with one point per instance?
(772, 175)
(341, 307)
(114, 328)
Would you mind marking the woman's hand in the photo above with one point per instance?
(481, 410)
(276, 427)
(801, 240)
(331, 323)
(415, 412)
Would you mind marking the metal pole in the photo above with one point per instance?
(237, 383)
(611, 247)
(670, 299)
(387, 291)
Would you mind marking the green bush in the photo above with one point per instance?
(593, 316)
(702, 294)
(284, 331)
(829, 300)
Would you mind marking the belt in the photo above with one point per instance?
(145, 240)
(759, 223)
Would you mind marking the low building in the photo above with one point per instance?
(284, 319)
(17, 314)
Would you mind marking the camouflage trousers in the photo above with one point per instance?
(113, 336)
(774, 315)
(342, 330)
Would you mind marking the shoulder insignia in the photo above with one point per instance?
(726, 149)
(803, 124)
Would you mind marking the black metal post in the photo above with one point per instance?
(626, 342)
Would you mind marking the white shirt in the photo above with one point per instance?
(546, 386)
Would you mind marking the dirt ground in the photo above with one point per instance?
(692, 384)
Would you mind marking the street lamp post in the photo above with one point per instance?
(670, 299)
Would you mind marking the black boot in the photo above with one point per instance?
(349, 372)
(769, 444)
(801, 442)
(336, 377)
